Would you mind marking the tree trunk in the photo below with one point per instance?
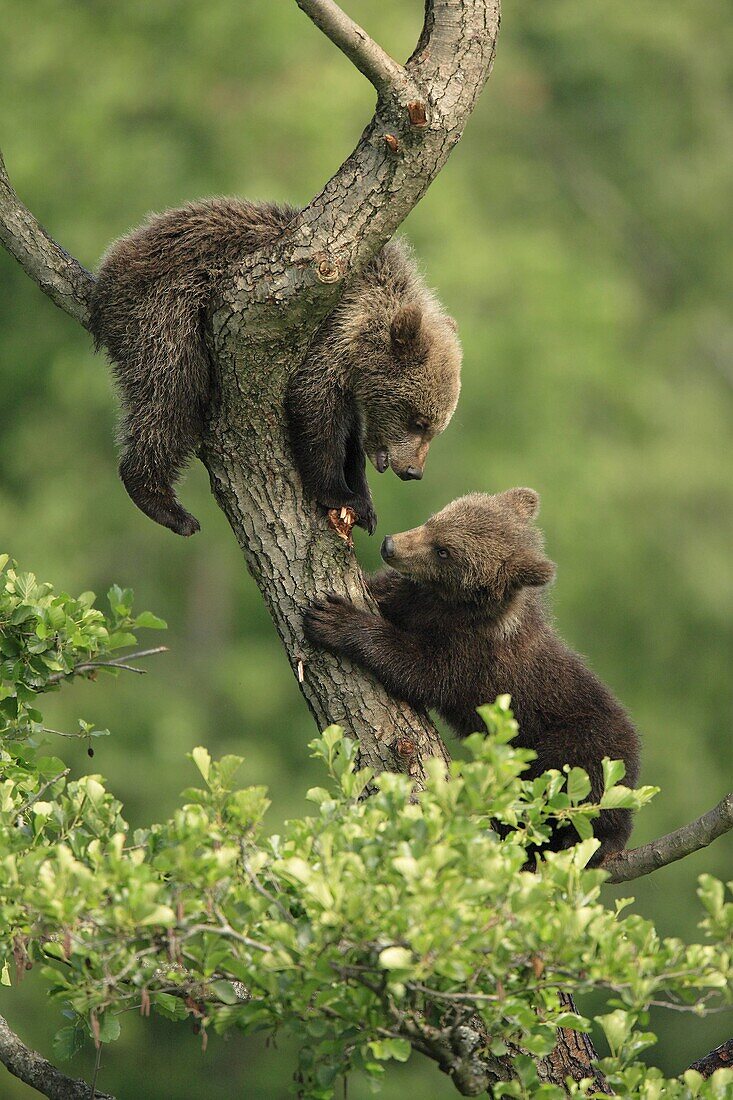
(291, 550)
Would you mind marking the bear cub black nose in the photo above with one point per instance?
(387, 550)
(412, 474)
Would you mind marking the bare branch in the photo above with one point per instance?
(389, 78)
(117, 662)
(59, 275)
(682, 842)
(720, 1058)
(32, 1069)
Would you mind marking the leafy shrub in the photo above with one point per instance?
(371, 928)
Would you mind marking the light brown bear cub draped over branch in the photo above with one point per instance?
(462, 621)
(381, 377)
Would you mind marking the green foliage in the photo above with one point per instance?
(371, 928)
(47, 638)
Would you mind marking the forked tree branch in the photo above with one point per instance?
(389, 78)
(58, 274)
(668, 849)
(32, 1069)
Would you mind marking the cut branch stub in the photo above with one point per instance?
(417, 113)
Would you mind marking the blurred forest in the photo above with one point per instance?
(580, 234)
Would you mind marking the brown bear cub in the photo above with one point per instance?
(380, 379)
(463, 620)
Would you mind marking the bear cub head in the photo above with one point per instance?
(407, 385)
(480, 548)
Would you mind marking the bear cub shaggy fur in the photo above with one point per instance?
(462, 621)
(381, 377)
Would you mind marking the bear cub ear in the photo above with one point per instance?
(525, 502)
(533, 571)
(406, 326)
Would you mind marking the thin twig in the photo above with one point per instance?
(116, 662)
(262, 890)
(231, 933)
(97, 1064)
(667, 849)
(387, 76)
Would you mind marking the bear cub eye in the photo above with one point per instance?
(420, 424)
(442, 552)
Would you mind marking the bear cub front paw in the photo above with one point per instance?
(331, 622)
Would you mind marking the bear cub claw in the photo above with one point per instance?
(328, 622)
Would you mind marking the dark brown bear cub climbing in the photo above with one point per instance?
(380, 379)
(462, 621)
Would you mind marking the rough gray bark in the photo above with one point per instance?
(572, 1057)
(30, 1068)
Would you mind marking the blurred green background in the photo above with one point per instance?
(581, 236)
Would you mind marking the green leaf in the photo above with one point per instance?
(583, 827)
(109, 1028)
(225, 992)
(712, 894)
(318, 795)
(395, 958)
(613, 771)
(120, 600)
(384, 1049)
(67, 1042)
(618, 798)
(202, 760)
(578, 784)
(54, 950)
(121, 640)
(146, 620)
(162, 914)
(616, 1026)
(25, 585)
(169, 1006)
(227, 768)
